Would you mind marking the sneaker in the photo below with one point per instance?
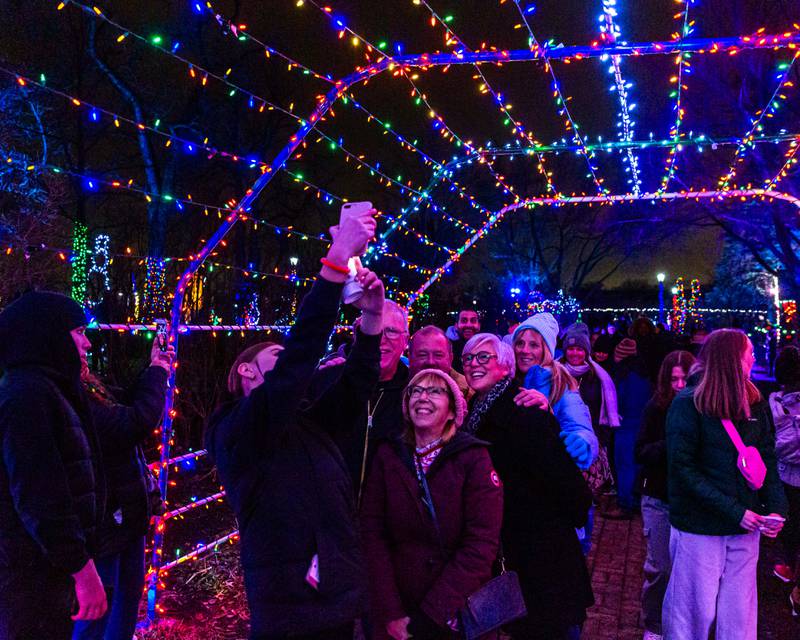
(649, 635)
(783, 572)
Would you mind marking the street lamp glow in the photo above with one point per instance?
(661, 277)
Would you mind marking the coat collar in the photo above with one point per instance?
(459, 442)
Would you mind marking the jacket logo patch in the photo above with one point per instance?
(494, 478)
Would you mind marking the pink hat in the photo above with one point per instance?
(460, 403)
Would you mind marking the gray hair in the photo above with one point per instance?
(505, 353)
(390, 306)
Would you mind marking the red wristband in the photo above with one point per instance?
(336, 267)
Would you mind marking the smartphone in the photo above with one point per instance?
(356, 207)
(161, 334)
(773, 519)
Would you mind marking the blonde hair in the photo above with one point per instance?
(562, 380)
(724, 391)
(449, 429)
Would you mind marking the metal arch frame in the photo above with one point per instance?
(609, 199)
(362, 75)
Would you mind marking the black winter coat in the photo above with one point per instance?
(545, 500)
(52, 488)
(121, 428)
(651, 452)
(707, 493)
(386, 405)
(288, 484)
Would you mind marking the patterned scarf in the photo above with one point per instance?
(484, 404)
(427, 454)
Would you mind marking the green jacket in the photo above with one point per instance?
(707, 493)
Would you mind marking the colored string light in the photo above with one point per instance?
(610, 32)
(127, 185)
(80, 261)
(517, 127)
(683, 66)
(253, 99)
(784, 69)
(402, 141)
(789, 162)
(600, 200)
(562, 103)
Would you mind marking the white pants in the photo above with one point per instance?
(713, 580)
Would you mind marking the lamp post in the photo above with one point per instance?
(661, 277)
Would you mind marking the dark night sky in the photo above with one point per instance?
(307, 35)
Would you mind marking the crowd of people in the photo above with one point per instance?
(406, 485)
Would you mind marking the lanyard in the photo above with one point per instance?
(370, 412)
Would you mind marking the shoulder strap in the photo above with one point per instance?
(427, 500)
(733, 434)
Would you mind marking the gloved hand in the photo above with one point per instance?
(577, 448)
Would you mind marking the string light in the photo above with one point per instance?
(101, 260)
(562, 103)
(610, 32)
(683, 66)
(79, 261)
(784, 69)
(398, 67)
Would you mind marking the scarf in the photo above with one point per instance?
(484, 404)
(579, 371)
(609, 414)
(427, 454)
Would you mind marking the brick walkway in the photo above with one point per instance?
(615, 564)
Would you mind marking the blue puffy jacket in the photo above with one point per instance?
(570, 410)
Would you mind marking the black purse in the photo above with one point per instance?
(496, 603)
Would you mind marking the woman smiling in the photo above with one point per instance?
(546, 497)
(422, 568)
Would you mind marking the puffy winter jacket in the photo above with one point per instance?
(570, 410)
(786, 414)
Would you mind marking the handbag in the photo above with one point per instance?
(748, 459)
(496, 603)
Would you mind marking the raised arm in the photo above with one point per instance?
(348, 396)
(121, 426)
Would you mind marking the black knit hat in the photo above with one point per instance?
(604, 344)
(35, 331)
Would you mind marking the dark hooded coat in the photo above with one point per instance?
(52, 489)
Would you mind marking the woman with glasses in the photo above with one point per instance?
(546, 497)
(430, 516)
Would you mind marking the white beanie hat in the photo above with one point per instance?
(545, 325)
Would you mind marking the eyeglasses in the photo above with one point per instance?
(434, 393)
(481, 358)
(392, 333)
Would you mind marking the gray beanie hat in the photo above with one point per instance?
(577, 335)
